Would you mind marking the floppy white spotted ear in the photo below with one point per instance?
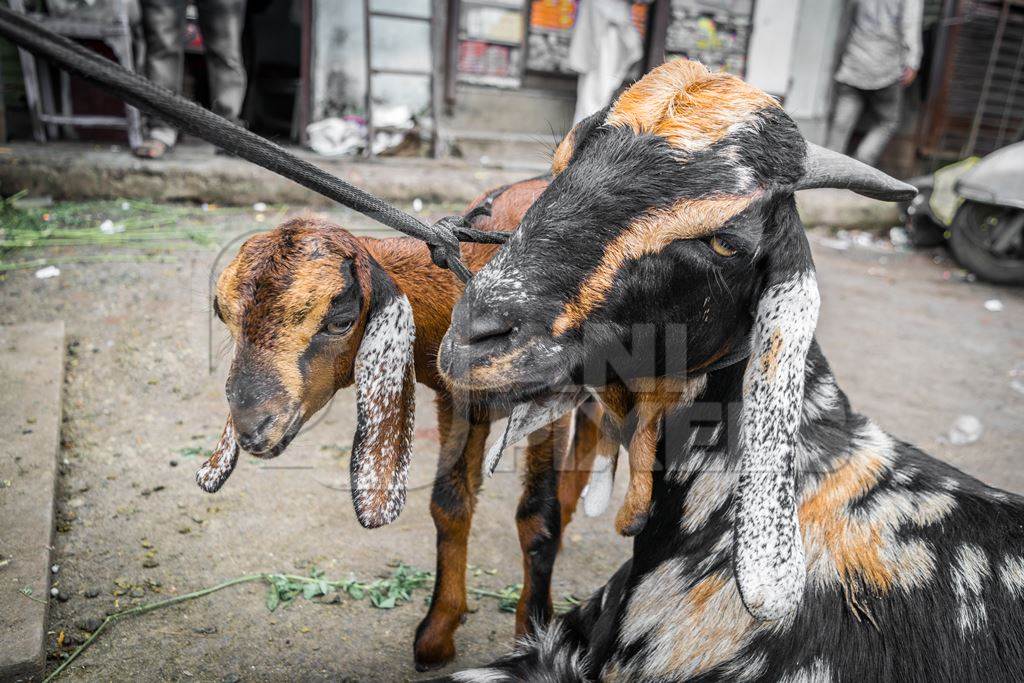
(768, 551)
(385, 400)
(768, 548)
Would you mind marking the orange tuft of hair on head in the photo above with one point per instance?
(688, 105)
(564, 152)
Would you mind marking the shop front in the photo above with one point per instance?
(487, 79)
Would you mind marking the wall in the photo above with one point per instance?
(770, 54)
(816, 42)
(339, 58)
(792, 55)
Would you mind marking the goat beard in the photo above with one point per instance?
(530, 416)
(212, 474)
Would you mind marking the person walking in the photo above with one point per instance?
(881, 57)
(221, 24)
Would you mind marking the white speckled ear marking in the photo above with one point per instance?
(221, 463)
(769, 552)
(385, 400)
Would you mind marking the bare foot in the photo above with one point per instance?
(151, 149)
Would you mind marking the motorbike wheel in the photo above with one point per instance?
(980, 243)
(922, 231)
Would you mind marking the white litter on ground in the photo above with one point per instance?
(335, 137)
(47, 272)
(1017, 377)
(259, 207)
(899, 237)
(994, 305)
(966, 430)
(108, 227)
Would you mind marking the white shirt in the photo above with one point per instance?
(885, 38)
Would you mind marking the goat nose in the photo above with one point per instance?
(486, 328)
(251, 427)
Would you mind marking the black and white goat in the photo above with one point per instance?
(788, 538)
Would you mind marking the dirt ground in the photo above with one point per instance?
(911, 342)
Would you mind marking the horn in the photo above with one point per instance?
(825, 168)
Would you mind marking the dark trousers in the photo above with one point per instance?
(221, 23)
(850, 104)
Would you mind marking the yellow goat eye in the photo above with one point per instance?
(337, 328)
(721, 247)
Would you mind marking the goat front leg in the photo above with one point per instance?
(451, 506)
(539, 522)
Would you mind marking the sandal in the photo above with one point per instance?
(151, 149)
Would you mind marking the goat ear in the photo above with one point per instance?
(768, 550)
(385, 398)
(825, 168)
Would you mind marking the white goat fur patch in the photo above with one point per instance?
(480, 676)
(380, 459)
(817, 672)
(769, 555)
(969, 571)
(1011, 573)
(598, 492)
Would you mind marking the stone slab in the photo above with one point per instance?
(31, 383)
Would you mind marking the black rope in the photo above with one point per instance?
(442, 238)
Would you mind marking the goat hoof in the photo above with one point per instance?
(431, 651)
(633, 526)
(422, 667)
(434, 656)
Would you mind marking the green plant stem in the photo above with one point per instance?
(93, 258)
(32, 597)
(248, 578)
(561, 605)
(142, 609)
(120, 230)
(36, 242)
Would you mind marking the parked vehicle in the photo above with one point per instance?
(977, 206)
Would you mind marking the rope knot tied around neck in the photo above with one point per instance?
(450, 231)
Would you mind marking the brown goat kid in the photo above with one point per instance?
(313, 309)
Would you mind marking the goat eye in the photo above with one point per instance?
(721, 247)
(337, 328)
